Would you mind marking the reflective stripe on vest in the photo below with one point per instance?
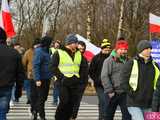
(133, 81)
(67, 66)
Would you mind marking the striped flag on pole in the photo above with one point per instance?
(6, 19)
(154, 23)
(91, 49)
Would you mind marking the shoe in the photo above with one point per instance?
(34, 115)
(28, 102)
(11, 104)
(41, 118)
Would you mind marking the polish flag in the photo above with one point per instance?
(91, 49)
(6, 19)
(154, 23)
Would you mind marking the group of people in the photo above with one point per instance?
(39, 65)
(131, 83)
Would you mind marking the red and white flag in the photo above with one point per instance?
(91, 49)
(6, 19)
(154, 23)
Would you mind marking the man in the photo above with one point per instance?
(55, 46)
(95, 74)
(11, 72)
(27, 63)
(83, 82)
(138, 79)
(68, 65)
(16, 91)
(42, 77)
(81, 47)
(110, 77)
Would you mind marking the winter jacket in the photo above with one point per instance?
(27, 62)
(142, 97)
(110, 75)
(41, 61)
(83, 72)
(11, 68)
(96, 68)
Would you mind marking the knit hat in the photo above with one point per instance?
(121, 44)
(46, 41)
(71, 38)
(105, 43)
(143, 44)
(3, 35)
(36, 41)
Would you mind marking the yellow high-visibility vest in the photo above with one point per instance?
(68, 66)
(52, 49)
(133, 81)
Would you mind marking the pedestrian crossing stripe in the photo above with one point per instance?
(21, 111)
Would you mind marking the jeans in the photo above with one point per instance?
(27, 88)
(102, 102)
(13, 98)
(5, 96)
(137, 113)
(55, 92)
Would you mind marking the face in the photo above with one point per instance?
(81, 48)
(56, 45)
(146, 52)
(122, 52)
(106, 50)
(73, 47)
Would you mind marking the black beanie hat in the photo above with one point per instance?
(143, 44)
(3, 35)
(36, 41)
(71, 38)
(46, 41)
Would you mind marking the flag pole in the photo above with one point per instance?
(150, 33)
(150, 36)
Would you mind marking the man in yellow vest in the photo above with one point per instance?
(138, 79)
(55, 45)
(69, 66)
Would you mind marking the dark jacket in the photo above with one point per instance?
(73, 80)
(41, 61)
(142, 97)
(11, 68)
(96, 68)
